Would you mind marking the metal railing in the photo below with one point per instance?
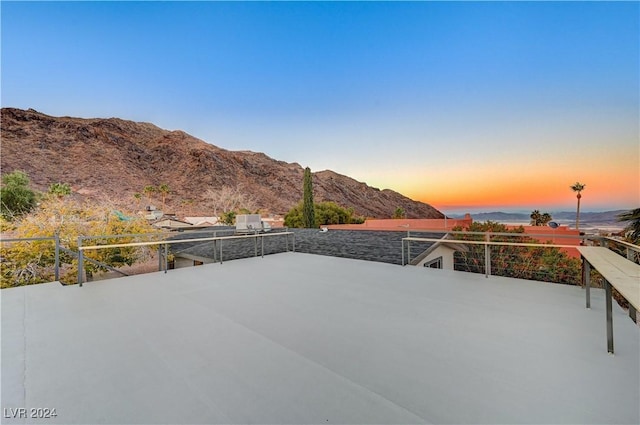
(57, 247)
(163, 247)
(490, 235)
(630, 251)
(517, 255)
(486, 243)
(416, 240)
(515, 259)
(485, 238)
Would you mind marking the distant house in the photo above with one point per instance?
(204, 221)
(274, 221)
(440, 254)
(171, 222)
(561, 235)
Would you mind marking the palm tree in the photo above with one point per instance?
(148, 191)
(539, 219)
(535, 218)
(164, 191)
(578, 187)
(633, 216)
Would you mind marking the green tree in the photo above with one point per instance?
(633, 228)
(308, 211)
(325, 213)
(332, 213)
(59, 189)
(399, 213)
(293, 218)
(538, 219)
(138, 197)
(149, 191)
(16, 198)
(578, 187)
(228, 218)
(164, 191)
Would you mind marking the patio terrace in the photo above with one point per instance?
(301, 338)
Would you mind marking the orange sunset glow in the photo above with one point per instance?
(610, 185)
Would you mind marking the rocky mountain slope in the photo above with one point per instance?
(114, 159)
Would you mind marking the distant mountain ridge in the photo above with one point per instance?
(585, 217)
(114, 159)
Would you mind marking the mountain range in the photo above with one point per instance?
(113, 159)
(586, 217)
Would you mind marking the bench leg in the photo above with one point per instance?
(586, 280)
(632, 313)
(607, 289)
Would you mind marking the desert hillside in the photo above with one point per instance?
(114, 159)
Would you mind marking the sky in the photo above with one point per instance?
(468, 106)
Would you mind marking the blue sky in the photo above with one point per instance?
(464, 105)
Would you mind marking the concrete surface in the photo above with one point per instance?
(300, 338)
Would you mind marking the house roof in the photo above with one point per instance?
(300, 338)
(168, 221)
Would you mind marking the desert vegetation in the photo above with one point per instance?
(55, 213)
(522, 262)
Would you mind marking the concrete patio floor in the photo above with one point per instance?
(301, 338)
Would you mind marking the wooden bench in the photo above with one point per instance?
(617, 271)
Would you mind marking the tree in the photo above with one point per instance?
(308, 211)
(26, 263)
(228, 199)
(138, 197)
(633, 228)
(399, 213)
(59, 189)
(535, 218)
(538, 219)
(16, 198)
(228, 218)
(149, 191)
(325, 213)
(578, 187)
(164, 191)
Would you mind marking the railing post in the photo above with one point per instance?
(586, 279)
(607, 291)
(159, 257)
(255, 246)
(220, 251)
(262, 243)
(487, 256)
(215, 249)
(56, 260)
(402, 244)
(80, 262)
(166, 257)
